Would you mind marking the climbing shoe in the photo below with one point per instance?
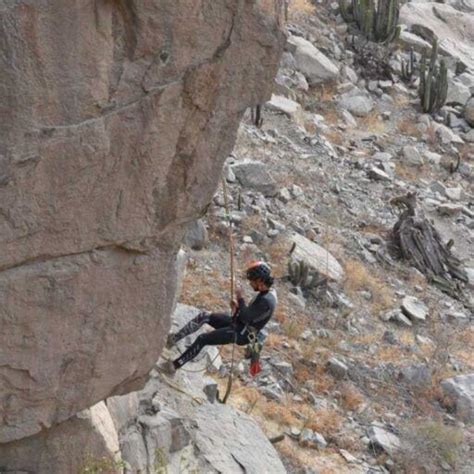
(167, 368)
(171, 340)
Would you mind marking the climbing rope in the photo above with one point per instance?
(231, 261)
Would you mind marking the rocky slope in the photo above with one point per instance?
(115, 121)
(371, 369)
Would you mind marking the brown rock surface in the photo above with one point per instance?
(86, 440)
(115, 119)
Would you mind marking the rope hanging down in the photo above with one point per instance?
(231, 258)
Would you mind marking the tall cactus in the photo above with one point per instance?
(376, 20)
(408, 67)
(300, 275)
(433, 89)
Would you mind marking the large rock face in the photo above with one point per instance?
(115, 119)
(73, 446)
(454, 29)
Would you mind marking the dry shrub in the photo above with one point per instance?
(323, 382)
(407, 126)
(373, 123)
(335, 136)
(325, 93)
(284, 413)
(428, 444)
(351, 397)
(407, 172)
(202, 290)
(293, 329)
(358, 277)
(298, 7)
(324, 421)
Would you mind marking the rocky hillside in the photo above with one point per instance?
(368, 364)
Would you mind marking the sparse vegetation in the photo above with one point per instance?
(103, 465)
(428, 444)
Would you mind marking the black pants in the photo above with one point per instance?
(225, 333)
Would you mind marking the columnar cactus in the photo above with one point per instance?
(300, 275)
(377, 23)
(433, 89)
(408, 67)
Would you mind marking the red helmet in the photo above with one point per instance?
(258, 269)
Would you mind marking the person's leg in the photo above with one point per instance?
(219, 320)
(193, 325)
(225, 335)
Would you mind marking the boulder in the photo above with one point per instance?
(114, 142)
(337, 368)
(311, 62)
(318, 258)
(358, 105)
(417, 375)
(383, 439)
(469, 112)
(461, 390)
(458, 93)
(82, 442)
(196, 236)
(452, 28)
(255, 175)
(281, 104)
(415, 309)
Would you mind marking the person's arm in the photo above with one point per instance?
(258, 308)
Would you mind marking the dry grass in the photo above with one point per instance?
(293, 329)
(325, 93)
(205, 290)
(373, 123)
(407, 172)
(427, 444)
(335, 136)
(351, 397)
(300, 7)
(358, 278)
(407, 126)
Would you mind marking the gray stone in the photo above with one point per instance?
(337, 368)
(415, 309)
(377, 174)
(358, 105)
(281, 104)
(444, 22)
(311, 62)
(450, 209)
(458, 93)
(90, 435)
(455, 194)
(316, 257)
(255, 175)
(446, 135)
(384, 440)
(348, 118)
(284, 195)
(196, 235)
(231, 441)
(461, 390)
(283, 367)
(468, 113)
(455, 317)
(412, 156)
(417, 375)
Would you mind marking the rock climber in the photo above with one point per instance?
(246, 319)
